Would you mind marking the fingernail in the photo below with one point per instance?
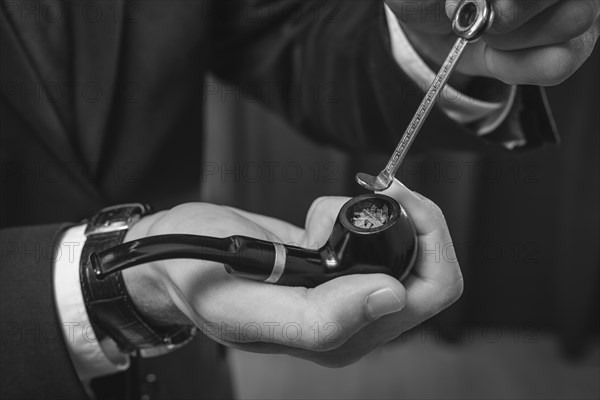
(382, 302)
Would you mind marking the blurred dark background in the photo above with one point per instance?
(525, 226)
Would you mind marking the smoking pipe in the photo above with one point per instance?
(372, 234)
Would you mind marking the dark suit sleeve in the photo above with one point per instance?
(35, 362)
(327, 67)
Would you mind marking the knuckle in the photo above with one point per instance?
(433, 209)
(583, 46)
(182, 207)
(450, 290)
(448, 294)
(313, 208)
(326, 206)
(456, 290)
(557, 67)
(581, 18)
(318, 204)
(508, 16)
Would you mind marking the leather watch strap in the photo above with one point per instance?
(107, 300)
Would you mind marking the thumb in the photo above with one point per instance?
(353, 302)
(318, 319)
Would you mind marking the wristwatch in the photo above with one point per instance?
(107, 301)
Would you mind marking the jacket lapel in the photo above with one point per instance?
(29, 93)
(96, 63)
(37, 83)
(60, 76)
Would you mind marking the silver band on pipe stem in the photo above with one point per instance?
(278, 264)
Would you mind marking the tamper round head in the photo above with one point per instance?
(373, 183)
(472, 18)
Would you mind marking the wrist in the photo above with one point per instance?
(107, 297)
(146, 285)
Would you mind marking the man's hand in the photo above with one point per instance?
(333, 324)
(536, 42)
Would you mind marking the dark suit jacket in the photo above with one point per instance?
(102, 104)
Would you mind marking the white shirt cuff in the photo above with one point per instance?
(90, 358)
(464, 109)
